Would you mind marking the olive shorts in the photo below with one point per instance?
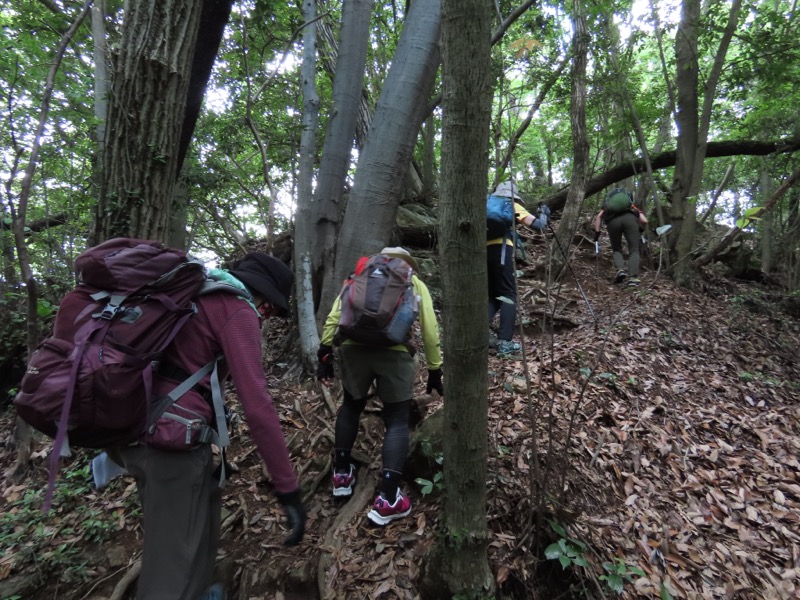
(391, 370)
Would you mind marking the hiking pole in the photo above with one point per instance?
(575, 277)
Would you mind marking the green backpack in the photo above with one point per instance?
(617, 201)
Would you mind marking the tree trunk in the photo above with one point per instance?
(570, 218)
(325, 211)
(458, 564)
(146, 114)
(687, 122)
(693, 131)
(303, 226)
(382, 163)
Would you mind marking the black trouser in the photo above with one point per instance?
(502, 284)
(626, 224)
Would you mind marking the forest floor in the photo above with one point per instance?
(666, 425)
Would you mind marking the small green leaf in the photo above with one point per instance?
(564, 560)
(556, 526)
(552, 551)
(615, 583)
(581, 562)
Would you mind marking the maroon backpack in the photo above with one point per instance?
(378, 303)
(90, 383)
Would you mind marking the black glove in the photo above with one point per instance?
(596, 235)
(325, 367)
(435, 381)
(295, 515)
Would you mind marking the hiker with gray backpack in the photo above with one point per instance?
(371, 321)
(502, 211)
(622, 218)
(136, 363)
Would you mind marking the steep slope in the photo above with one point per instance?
(659, 436)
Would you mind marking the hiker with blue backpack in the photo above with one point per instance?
(622, 218)
(371, 320)
(502, 212)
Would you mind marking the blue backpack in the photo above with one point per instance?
(499, 216)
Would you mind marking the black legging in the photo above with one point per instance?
(395, 441)
(501, 283)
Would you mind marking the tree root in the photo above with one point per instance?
(123, 584)
(333, 542)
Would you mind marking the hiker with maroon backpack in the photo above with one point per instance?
(180, 491)
(622, 218)
(139, 304)
(372, 319)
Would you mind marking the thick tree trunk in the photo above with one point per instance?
(682, 205)
(459, 565)
(693, 129)
(145, 118)
(327, 206)
(386, 155)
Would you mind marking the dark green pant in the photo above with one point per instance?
(626, 224)
(181, 503)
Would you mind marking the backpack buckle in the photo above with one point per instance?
(108, 312)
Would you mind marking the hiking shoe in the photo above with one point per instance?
(621, 275)
(383, 513)
(508, 347)
(343, 482)
(633, 282)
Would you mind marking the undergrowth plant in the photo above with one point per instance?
(48, 544)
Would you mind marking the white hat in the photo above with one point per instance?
(507, 189)
(402, 253)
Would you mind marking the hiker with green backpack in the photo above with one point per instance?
(622, 218)
(502, 211)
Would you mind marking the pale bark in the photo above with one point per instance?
(309, 337)
(384, 160)
(459, 564)
(326, 206)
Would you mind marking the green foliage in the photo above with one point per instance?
(426, 485)
(751, 216)
(567, 550)
(617, 573)
(52, 541)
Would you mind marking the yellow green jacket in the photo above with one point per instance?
(427, 322)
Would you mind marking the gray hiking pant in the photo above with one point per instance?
(626, 224)
(181, 502)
